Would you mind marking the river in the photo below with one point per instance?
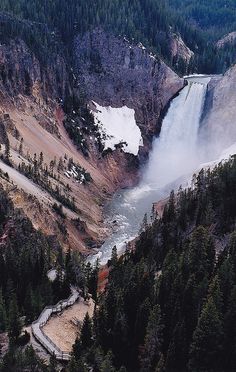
(174, 157)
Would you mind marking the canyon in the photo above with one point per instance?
(39, 113)
(32, 122)
(117, 185)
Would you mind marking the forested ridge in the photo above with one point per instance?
(152, 22)
(170, 303)
(215, 17)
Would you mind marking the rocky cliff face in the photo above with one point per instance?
(22, 73)
(219, 120)
(179, 50)
(113, 72)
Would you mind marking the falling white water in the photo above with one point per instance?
(175, 154)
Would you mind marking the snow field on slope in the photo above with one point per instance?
(118, 125)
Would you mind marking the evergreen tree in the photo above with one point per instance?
(53, 364)
(206, 346)
(7, 150)
(60, 165)
(21, 147)
(114, 257)
(86, 339)
(177, 354)
(144, 224)
(41, 159)
(107, 364)
(3, 314)
(153, 341)
(230, 334)
(92, 279)
(76, 351)
(32, 361)
(161, 365)
(14, 323)
(216, 294)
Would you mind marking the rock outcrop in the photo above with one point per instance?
(179, 50)
(22, 73)
(114, 72)
(219, 120)
(26, 66)
(226, 40)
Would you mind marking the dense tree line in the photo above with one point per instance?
(37, 36)
(170, 303)
(215, 17)
(50, 26)
(26, 256)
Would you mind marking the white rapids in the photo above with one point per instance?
(175, 154)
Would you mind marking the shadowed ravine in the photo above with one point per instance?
(176, 153)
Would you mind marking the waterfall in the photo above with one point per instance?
(175, 153)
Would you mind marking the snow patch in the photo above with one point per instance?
(141, 46)
(118, 125)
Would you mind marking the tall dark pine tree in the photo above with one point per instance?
(152, 351)
(3, 315)
(14, 323)
(230, 334)
(86, 333)
(206, 347)
(85, 340)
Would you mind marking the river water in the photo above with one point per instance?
(174, 157)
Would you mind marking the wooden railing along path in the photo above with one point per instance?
(37, 326)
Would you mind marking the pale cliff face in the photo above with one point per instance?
(179, 49)
(227, 39)
(219, 123)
